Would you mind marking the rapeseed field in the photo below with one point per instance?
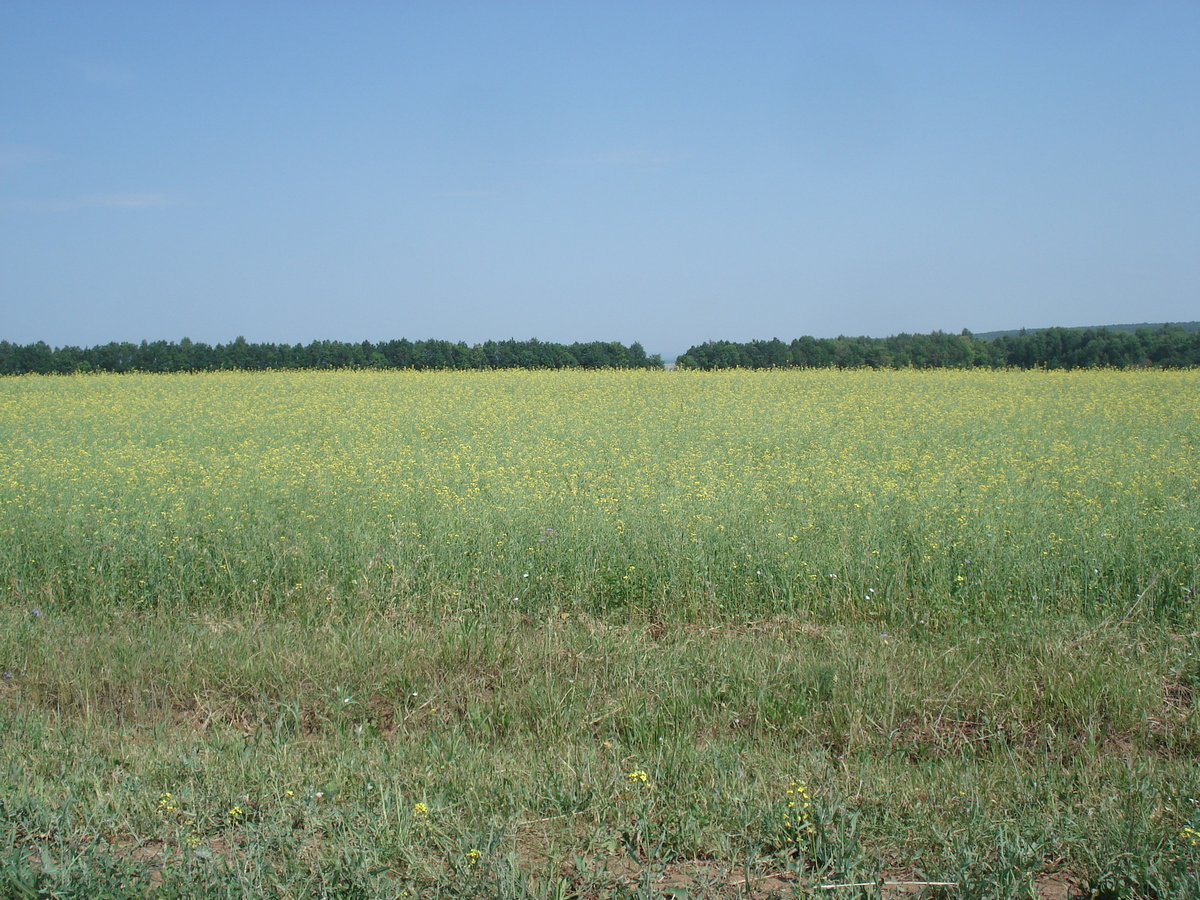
(381, 633)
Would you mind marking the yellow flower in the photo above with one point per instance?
(796, 816)
(638, 776)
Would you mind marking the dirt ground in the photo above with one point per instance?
(704, 880)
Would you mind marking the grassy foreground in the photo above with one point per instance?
(600, 634)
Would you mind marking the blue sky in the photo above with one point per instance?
(665, 172)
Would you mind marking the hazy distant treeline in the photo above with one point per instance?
(1053, 348)
(194, 356)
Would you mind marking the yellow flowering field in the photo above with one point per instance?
(843, 493)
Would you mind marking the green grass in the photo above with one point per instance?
(385, 635)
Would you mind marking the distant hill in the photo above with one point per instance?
(1129, 329)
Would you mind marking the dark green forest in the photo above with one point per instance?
(1167, 346)
(193, 356)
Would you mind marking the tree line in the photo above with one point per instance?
(195, 356)
(1170, 346)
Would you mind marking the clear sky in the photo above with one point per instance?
(667, 172)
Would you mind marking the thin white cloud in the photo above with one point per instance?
(130, 201)
(105, 74)
(629, 156)
(103, 201)
(469, 194)
(14, 156)
(634, 157)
